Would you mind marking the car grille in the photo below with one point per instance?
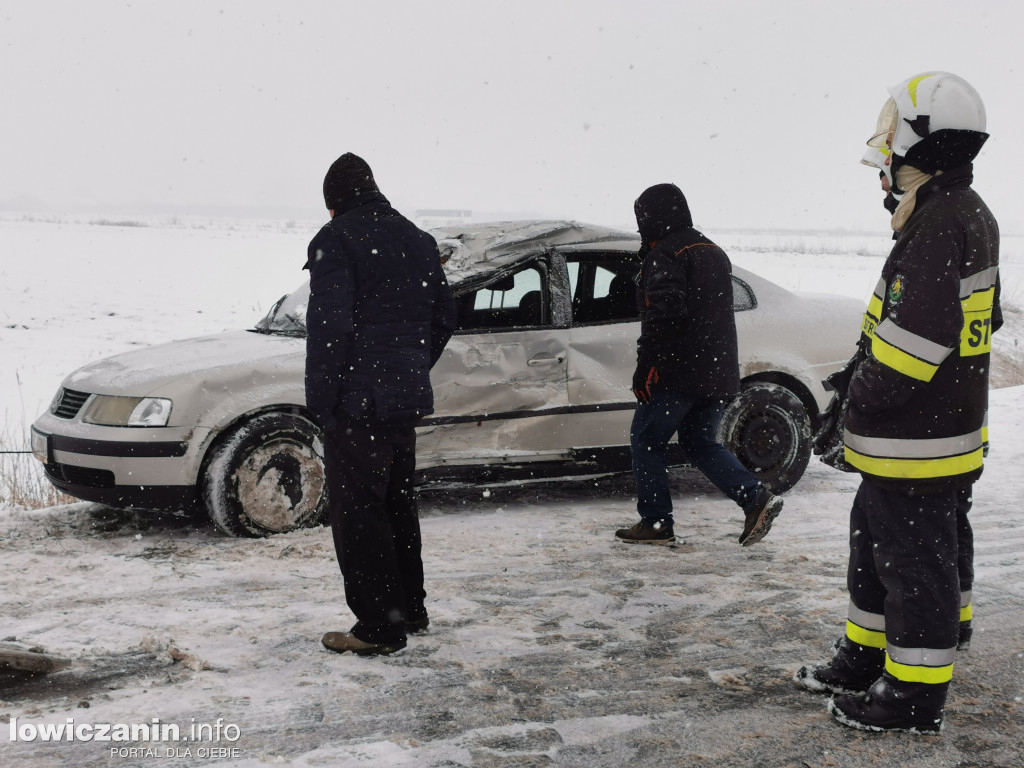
(91, 478)
(70, 404)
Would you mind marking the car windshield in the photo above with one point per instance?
(288, 315)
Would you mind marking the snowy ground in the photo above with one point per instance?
(551, 644)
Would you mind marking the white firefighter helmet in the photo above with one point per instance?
(941, 122)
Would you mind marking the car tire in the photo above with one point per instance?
(767, 428)
(266, 476)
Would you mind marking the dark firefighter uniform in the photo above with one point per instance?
(915, 428)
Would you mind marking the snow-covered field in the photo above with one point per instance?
(550, 644)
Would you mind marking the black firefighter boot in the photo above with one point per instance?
(892, 705)
(852, 670)
(963, 643)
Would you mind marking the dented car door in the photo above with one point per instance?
(500, 387)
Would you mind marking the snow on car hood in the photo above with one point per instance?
(143, 372)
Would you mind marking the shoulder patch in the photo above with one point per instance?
(896, 289)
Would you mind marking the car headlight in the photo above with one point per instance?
(116, 411)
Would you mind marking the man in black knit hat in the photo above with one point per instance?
(687, 369)
(380, 313)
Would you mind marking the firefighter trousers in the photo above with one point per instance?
(903, 580)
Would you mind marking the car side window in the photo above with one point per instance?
(743, 297)
(602, 282)
(603, 291)
(516, 300)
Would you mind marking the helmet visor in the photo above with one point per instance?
(888, 119)
(875, 157)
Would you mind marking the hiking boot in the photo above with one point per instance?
(415, 626)
(346, 642)
(892, 705)
(963, 643)
(852, 670)
(641, 533)
(760, 513)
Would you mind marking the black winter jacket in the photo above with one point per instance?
(916, 413)
(687, 326)
(380, 313)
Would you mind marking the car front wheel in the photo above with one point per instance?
(266, 476)
(767, 428)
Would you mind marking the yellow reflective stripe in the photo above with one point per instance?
(868, 325)
(912, 87)
(911, 343)
(898, 360)
(869, 638)
(966, 606)
(979, 301)
(915, 468)
(875, 306)
(915, 674)
(874, 310)
(976, 335)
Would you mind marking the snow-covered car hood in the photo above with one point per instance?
(149, 371)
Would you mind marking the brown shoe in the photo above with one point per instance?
(641, 533)
(759, 516)
(346, 642)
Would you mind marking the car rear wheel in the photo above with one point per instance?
(767, 428)
(266, 476)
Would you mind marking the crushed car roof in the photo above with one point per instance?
(471, 248)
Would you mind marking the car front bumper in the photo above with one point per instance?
(127, 467)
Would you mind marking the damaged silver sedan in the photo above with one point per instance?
(534, 384)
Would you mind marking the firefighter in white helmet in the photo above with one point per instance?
(913, 415)
(876, 157)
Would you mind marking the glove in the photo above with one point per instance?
(825, 426)
(830, 423)
(643, 380)
(827, 442)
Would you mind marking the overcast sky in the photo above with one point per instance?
(758, 110)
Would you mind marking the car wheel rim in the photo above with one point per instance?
(280, 485)
(766, 439)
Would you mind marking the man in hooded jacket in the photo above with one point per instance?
(687, 369)
(380, 313)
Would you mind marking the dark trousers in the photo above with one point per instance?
(965, 539)
(903, 564)
(373, 516)
(696, 420)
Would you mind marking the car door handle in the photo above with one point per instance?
(546, 360)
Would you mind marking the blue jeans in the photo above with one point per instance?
(696, 420)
